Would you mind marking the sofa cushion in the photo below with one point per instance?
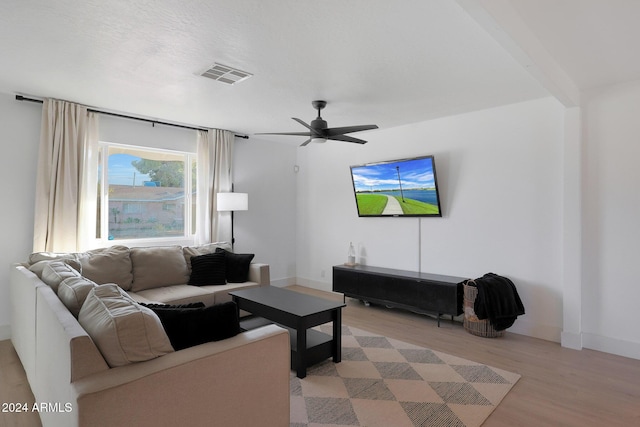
(140, 299)
(50, 256)
(221, 293)
(108, 265)
(73, 292)
(124, 331)
(39, 266)
(209, 269)
(191, 251)
(158, 266)
(154, 305)
(54, 272)
(236, 266)
(177, 294)
(188, 326)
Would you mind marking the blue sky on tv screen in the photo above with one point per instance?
(414, 173)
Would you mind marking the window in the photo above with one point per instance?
(147, 193)
(131, 208)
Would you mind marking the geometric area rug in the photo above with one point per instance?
(389, 383)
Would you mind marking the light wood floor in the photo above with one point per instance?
(559, 386)
(14, 388)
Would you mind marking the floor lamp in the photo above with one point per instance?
(230, 202)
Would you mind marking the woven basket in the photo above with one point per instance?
(472, 324)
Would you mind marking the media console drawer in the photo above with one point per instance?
(420, 292)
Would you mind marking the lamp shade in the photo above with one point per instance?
(232, 201)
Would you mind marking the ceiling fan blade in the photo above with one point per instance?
(305, 143)
(314, 132)
(348, 129)
(302, 123)
(287, 133)
(346, 138)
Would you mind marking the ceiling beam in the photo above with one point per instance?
(506, 26)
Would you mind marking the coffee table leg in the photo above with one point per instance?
(235, 299)
(301, 362)
(337, 335)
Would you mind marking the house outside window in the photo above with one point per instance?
(147, 193)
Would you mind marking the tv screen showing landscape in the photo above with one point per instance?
(396, 188)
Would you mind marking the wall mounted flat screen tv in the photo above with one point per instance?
(397, 188)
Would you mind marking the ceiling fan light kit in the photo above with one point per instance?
(319, 132)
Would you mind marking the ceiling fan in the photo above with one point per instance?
(319, 132)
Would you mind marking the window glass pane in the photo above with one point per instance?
(99, 201)
(146, 193)
(194, 194)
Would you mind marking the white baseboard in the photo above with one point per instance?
(281, 283)
(571, 340)
(314, 284)
(5, 332)
(612, 345)
(536, 330)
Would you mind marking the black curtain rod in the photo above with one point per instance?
(153, 122)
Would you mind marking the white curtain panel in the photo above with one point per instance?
(215, 160)
(67, 137)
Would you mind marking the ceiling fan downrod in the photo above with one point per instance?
(319, 105)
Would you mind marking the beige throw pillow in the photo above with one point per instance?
(124, 331)
(54, 272)
(50, 256)
(108, 265)
(73, 292)
(158, 266)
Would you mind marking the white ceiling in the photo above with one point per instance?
(595, 41)
(374, 61)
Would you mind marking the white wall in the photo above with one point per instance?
(611, 234)
(19, 139)
(500, 179)
(265, 170)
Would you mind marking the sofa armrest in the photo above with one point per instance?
(239, 381)
(23, 285)
(259, 273)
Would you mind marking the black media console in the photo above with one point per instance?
(419, 292)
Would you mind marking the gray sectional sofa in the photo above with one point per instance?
(239, 381)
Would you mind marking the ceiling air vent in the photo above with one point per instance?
(226, 74)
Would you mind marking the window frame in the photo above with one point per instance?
(189, 229)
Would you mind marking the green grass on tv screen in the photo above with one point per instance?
(374, 204)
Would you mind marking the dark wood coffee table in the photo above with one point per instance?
(298, 312)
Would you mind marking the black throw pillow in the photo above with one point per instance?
(153, 305)
(237, 266)
(208, 269)
(188, 327)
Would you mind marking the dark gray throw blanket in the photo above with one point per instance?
(497, 300)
